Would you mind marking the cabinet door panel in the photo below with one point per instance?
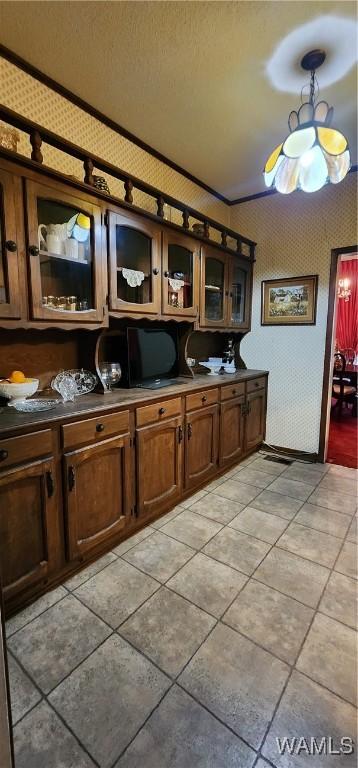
(180, 281)
(214, 288)
(255, 419)
(98, 493)
(10, 197)
(239, 293)
(27, 525)
(66, 265)
(134, 259)
(201, 445)
(231, 430)
(159, 466)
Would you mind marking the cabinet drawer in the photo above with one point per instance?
(17, 450)
(201, 399)
(256, 384)
(232, 390)
(90, 430)
(153, 413)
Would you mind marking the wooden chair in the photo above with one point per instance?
(342, 389)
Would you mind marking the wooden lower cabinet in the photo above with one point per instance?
(232, 421)
(28, 526)
(255, 419)
(201, 445)
(159, 451)
(98, 493)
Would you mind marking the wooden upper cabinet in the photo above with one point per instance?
(239, 298)
(28, 526)
(10, 200)
(98, 514)
(134, 264)
(225, 300)
(180, 275)
(66, 262)
(214, 288)
(201, 445)
(159, 466)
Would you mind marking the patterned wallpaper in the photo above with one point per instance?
(24, 94)
(295, 235)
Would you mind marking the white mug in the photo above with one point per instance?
(71, 248)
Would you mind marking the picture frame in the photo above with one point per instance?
(289, 300)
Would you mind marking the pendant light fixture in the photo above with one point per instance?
(313, 153)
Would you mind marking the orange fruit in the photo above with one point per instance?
(17, 377)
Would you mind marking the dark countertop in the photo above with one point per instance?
(12, 421)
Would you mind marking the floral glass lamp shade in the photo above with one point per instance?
(313, 153)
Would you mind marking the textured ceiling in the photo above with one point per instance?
(188, 78)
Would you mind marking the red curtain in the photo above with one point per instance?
(347, 311)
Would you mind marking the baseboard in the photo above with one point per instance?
(290, 453)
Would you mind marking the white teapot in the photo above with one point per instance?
(54, 238)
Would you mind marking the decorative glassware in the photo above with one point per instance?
(67, 388)
(111, 374)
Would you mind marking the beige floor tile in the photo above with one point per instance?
(35, 609)
(308, 711)
(237, 681)
(340, 484)
(293, 576)
(274, 621)
(236, 491)
(340, 599)
(207, 583)
(182, 734)
(237, 550)
(348, 560)
(165, 518)
(192, 499)
(24, 695)
(307, 542)
(217, 508)
(108, 698)
(192, 529)
(322, 519)
(117, 591)
(277, 504)
(253, 477)
(305, 473)
(41, 740)
(159, 556)
(325, 497)
(329, 656)
(168, 629)
(352, 533)
(133, 540)
(87, 573)
(259, 524)
(55, 642)
(293, 488)
(348, 472)
(271, 467)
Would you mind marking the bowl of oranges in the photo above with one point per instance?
(17, 387)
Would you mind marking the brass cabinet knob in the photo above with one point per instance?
(10, 245)
(161, 411)
(3, 454)
(99, 427)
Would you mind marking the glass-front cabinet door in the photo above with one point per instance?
(9, 266)
(134, 259)
(180, 277)
(239, 291)
(65, 256)
(213, 304)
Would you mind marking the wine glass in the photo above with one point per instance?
(111, 374)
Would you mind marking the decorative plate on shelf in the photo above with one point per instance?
(85, 380)
(37, 404)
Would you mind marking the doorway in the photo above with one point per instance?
(338, 434)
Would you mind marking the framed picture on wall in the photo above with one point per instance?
(289, 301)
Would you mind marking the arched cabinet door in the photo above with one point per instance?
(159, 466)
(10, 194)
(214, 288)
(134, 264)
(180, 275)
(97, 512)
(201, 444)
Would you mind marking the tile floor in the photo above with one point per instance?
(227, 623)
